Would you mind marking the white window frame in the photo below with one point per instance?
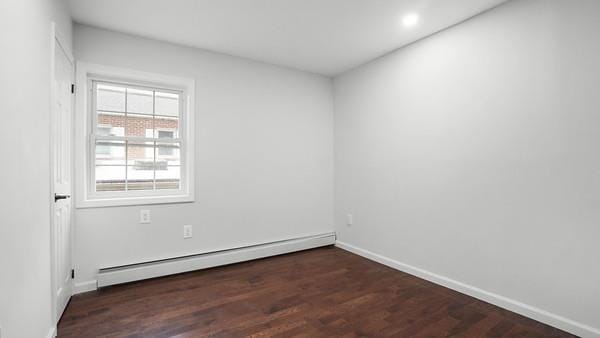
(85, 194)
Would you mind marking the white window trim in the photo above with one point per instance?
(84, 197)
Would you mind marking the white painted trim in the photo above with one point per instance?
(51, 332)
(84, 71)
(56, 39)
(492, 298)
(62, 41)
(84, 287)
(209, 260)
(133, 200)
(53, 300)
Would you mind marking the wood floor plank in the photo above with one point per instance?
(326, 292)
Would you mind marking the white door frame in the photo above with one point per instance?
(56, 39)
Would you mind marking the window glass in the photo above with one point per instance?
(128, 152)
(140, 101)
(110, 98)
(110, 178)
(167, 104)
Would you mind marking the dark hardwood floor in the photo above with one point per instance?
(325, 292)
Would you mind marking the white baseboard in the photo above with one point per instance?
(492, 298)
(125, 274)
(52, 332)
(84, 287)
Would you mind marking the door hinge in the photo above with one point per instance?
(72, 273)
(72, 88)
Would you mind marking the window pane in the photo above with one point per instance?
(110, 152)
(139, 101)
(140, 155)
(166, 127)
(139, 125)
(167, 104)
(166, 134)
(140, 166)
(110, 178)
(168, 154)
(168, 178)
(110, 98)
(140, 179)
(110, 124)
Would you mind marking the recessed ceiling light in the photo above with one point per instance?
(410, 20)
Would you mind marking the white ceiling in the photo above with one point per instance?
(321, 36)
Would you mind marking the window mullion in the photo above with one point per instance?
(112, 111)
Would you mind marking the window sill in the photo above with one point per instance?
(131, 201)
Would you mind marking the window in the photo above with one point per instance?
(139, 148)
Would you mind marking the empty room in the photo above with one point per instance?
(300, 168)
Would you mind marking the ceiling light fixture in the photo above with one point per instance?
(410, 20)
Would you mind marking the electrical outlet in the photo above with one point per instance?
(187, 231)
(145, 216)
(349, 220)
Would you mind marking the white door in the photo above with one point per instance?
(60, 152)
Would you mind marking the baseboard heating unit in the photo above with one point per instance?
(145, 270)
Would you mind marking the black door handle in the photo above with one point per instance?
(60, 197)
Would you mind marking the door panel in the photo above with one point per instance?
(62, 238)
(61, 145)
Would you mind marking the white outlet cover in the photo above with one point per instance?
(145, 217)
(187, 231)
(349, 219)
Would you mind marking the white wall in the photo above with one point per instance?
(25, 303)
(264, 157)
(474, 154)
